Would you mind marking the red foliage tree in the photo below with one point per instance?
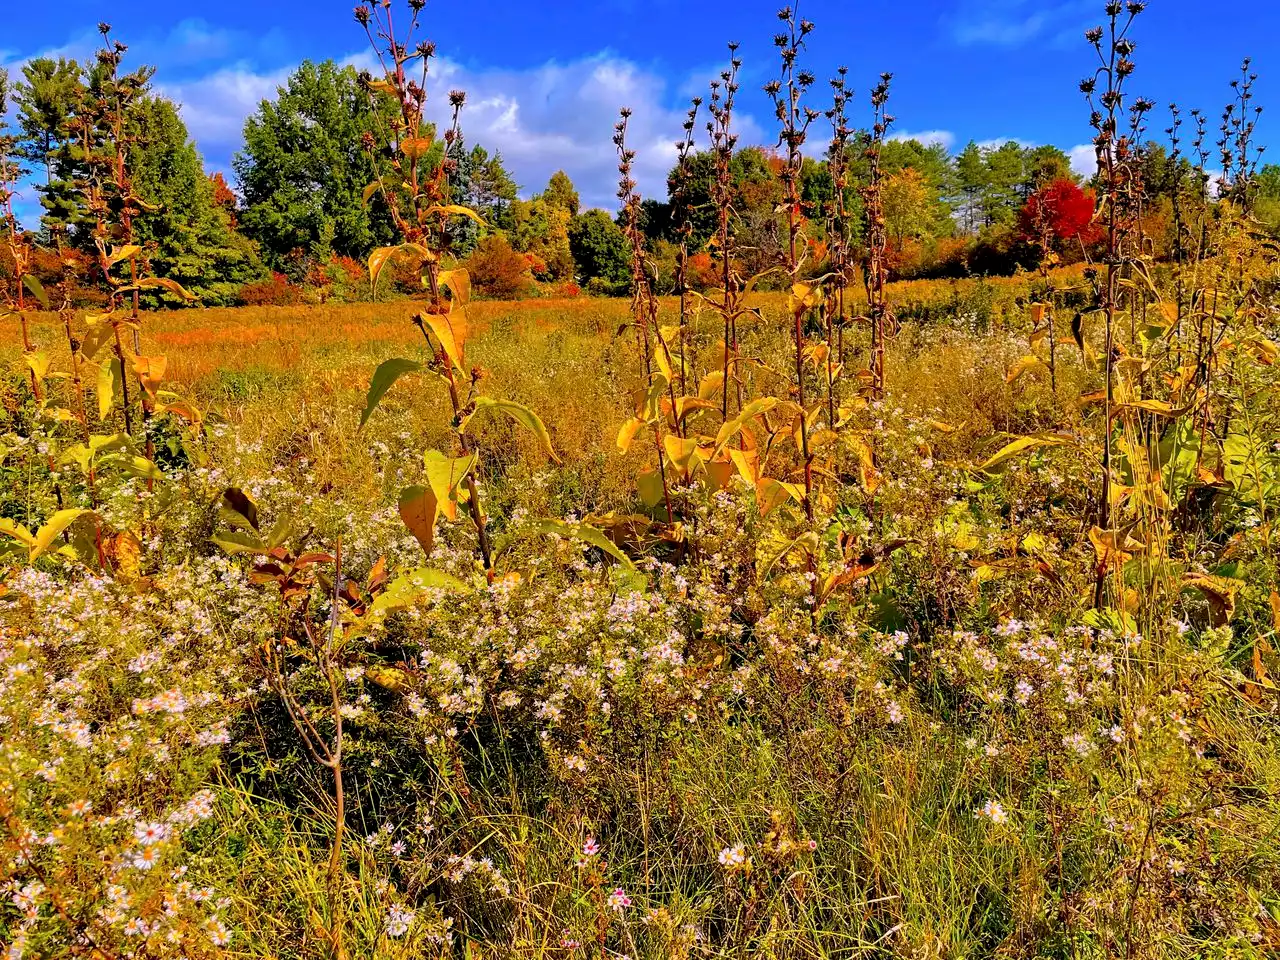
(498, 271)
(225, 197)
(1062, 214)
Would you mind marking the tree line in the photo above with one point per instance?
(301, 220)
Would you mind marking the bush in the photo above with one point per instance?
(275, 291)
(498, 271)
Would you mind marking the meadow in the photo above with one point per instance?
(850, 618)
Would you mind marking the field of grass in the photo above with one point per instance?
(949, 752)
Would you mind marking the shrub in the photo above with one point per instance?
(275, 291)
(498, 271)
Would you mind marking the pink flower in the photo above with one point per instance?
(618, 900)
(590, 848)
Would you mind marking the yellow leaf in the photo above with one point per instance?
(150, 372)
(682, 452)
(414, 253)
(389, 678)
(1023, 366)
(125, 551)
(459, 284)
(1022, 445)
(10, 529)
(628, 433)
(770, 494)
(444, 329)
(748, 464)
(127, 252)
(719, 473)
(39, 362)
(732, 428)
(53, 529)
(1221, 594)
(685, 404)
(415, 148)
(1114, 548)
(109, 380)
(454, 210)
(710, 385)
(445, 476)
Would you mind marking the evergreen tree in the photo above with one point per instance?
(189, 236)
(45, 98)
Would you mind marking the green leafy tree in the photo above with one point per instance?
(600, 251)
(562, 193)
(541, 227)
(971, 184)
(303, 170)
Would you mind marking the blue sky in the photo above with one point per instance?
(545, 77)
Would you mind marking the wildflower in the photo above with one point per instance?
(149, 834)
(992, 811)
(590, 848)
(1080, 743)
(618, 900)
(399, 920)
(734, 859)
(147, 858)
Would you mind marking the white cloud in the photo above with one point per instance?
(214, 107)
(1011, 23)
(1084, 159)
(928, 137)
(561, 116)
(995, 143)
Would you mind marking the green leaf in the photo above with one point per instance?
(649, 486)
(520, 414)
(404, 590)
(368, 193)
(238, 509)
(584, 534)
(37, 290)
(384, 378)
(50, 532)
(233, 542)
